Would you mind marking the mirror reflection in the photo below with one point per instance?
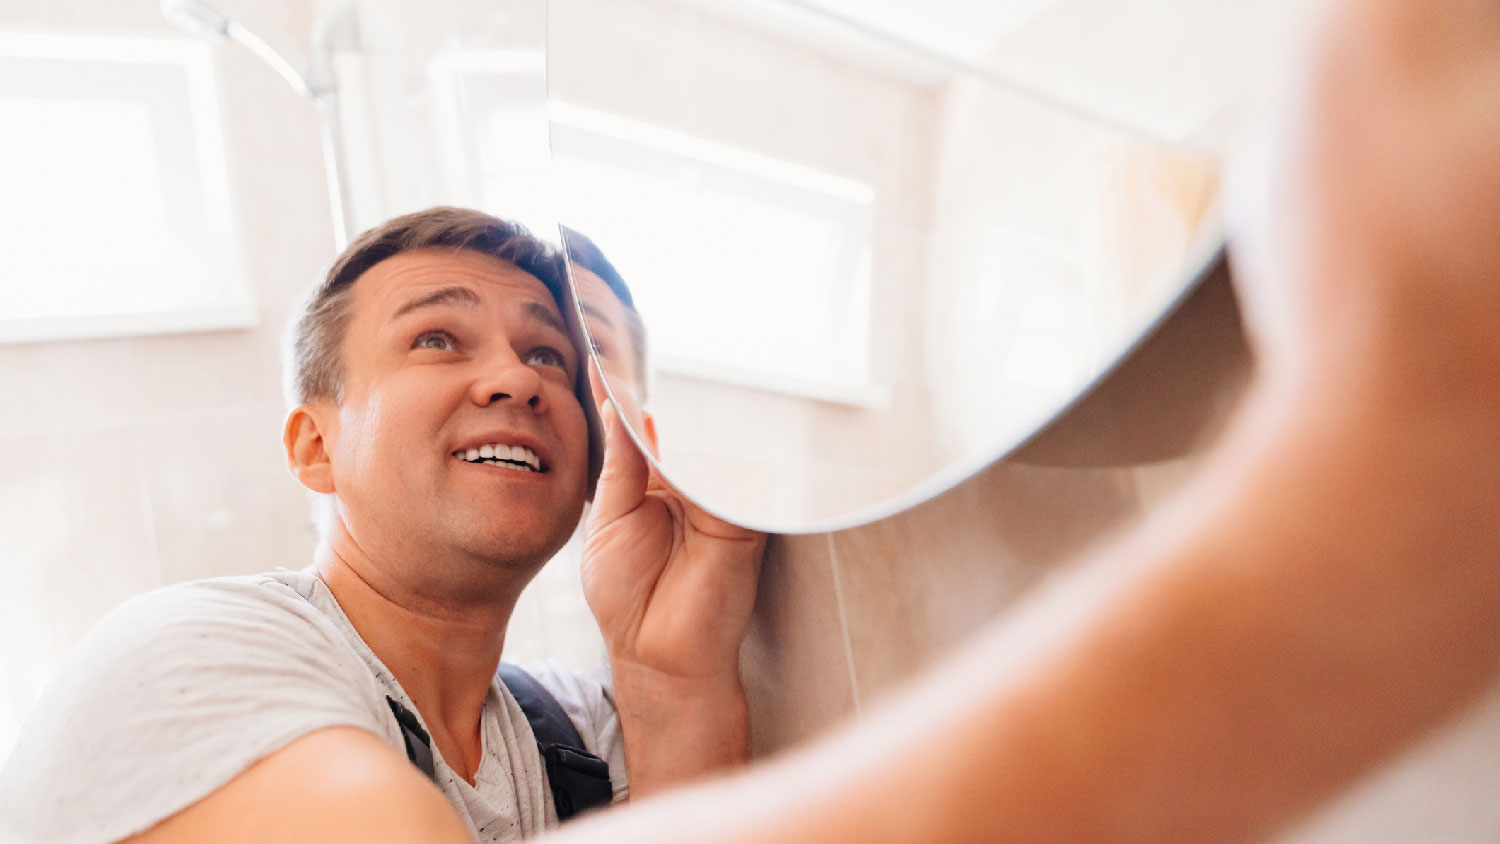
(869, 257)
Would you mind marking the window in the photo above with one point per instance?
(747, 269)
(115, 213)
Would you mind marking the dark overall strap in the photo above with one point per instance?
(418, 743)
(579, 779)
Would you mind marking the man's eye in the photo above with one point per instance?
(547, 357)
(442, 341)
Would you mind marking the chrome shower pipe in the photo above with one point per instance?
(316, 84)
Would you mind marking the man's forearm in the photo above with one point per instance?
(678, 730)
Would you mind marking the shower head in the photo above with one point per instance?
(196, 17)
(201, 19)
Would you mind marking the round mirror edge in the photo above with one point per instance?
(1204, 260)
(1208, 252)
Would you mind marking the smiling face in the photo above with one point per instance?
(459, 434)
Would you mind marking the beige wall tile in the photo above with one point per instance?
(76, 542)
(55, 388)
(918, 583)
(794, 663)
(222, 500)
(185, 375)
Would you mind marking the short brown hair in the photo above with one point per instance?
(315, 359)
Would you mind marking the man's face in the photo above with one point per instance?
(459, 430)
(608, 330)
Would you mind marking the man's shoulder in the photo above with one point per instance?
(256, 606)
(222, 630)
(177, 691)
(265, 587)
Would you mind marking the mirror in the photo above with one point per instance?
(836, 256)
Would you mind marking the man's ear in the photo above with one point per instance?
(307, 448)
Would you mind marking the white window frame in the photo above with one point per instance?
(202, 227)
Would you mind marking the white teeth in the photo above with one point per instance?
(500, 451)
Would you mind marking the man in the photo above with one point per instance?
(442, 420)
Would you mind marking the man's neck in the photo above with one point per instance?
(443, 652)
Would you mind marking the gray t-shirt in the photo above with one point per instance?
(177, 691)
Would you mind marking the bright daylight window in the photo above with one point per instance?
(747, 269)
(115, 211)
(764, 280)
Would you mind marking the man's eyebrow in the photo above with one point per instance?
(538, 311)
(594, 313)
(443, 296)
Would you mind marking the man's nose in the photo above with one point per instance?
(505, 378)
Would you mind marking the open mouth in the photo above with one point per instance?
(517, 457)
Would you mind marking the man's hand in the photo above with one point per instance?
(672, 588)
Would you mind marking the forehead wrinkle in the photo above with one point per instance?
(446, 295)
(430, 267)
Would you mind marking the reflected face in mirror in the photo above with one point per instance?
(616, 332)
(448, 355)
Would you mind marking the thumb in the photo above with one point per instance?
(624, 477)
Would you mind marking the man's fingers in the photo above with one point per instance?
(622, 483)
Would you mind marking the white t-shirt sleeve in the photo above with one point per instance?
(589, 701)
(168, 698)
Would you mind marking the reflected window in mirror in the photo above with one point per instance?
(785, 246)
